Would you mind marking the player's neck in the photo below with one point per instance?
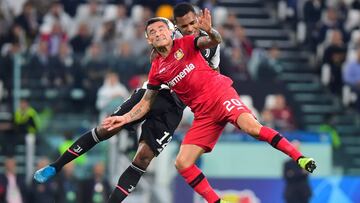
(164, 51)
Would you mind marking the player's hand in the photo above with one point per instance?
(205, 20)
(114, 122)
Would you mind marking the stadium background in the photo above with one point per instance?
(74, 61)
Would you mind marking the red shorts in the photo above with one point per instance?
(207, 126)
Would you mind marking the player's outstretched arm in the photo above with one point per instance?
(213, 38)
(137, 112)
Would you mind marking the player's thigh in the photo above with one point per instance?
(229, 107)
(158, 130)
(144, 155)
(248, 123)
(164, 103)
(204, 132)
(188, 155)
(236, 112)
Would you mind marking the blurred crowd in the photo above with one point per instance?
(330, 29)
(66, 188)
(96, 50)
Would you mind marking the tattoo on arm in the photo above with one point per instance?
(213, 39)
(150, 96)
(140, 109)
(214, 35)
(133, 115)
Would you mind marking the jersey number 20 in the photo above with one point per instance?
(233, 103)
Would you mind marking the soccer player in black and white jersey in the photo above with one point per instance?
(187, 23)
(159, 124)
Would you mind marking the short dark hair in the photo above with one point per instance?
(182, 9)
(154, 20)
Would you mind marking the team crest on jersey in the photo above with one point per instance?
(179, 54)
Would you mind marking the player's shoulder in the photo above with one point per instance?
(184, 42)
(185, 38)
(177, 33)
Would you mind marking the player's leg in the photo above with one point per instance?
(233, 110)
(185, 164)
(87, 141)
(82, 145)
(251, 126)
(156, 133)
(131, 176)
(201, 138)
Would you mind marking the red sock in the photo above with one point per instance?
(196, 179)
(279, 142)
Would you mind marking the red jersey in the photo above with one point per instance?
(188, 74)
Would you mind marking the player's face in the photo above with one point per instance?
(159, 35)
(188, 24)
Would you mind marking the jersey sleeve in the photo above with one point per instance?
(215, 56)
(177, 34)
(195, 42)
(154, 83)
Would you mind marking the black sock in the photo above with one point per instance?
(79, 147)
(126, 184)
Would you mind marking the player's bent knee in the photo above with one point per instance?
(143, 161)
(103, 134)
(187, 156)
(182, 163)
(249, 124)
(252, 130)
(143, 156)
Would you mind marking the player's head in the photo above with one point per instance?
(186, 19)
(159, 32)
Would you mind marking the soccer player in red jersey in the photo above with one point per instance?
(181, 66)
(158, 125)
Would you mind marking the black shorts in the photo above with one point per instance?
(160, 123)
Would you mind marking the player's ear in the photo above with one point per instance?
(149, 41)
(147, 38)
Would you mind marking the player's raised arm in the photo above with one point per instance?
(213, 38)
(136, 113)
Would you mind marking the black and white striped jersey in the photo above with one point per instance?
(211, 55)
